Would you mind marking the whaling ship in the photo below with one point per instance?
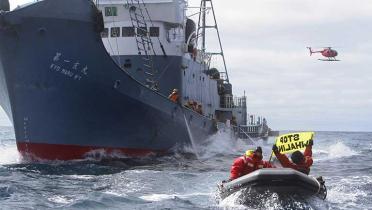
(79, 76)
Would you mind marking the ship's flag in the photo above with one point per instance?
(291, 142)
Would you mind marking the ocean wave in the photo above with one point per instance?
(334, 151)
(161, 197)
(6, 191)
(60, 199)
(243, 199)
(232, 202)
(9, 154)
(223, 143)
(351, 190)
(341, 150)
(82, 177)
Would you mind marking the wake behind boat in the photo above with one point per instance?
(283, 181)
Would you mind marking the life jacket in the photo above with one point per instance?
(303, 168)
(245, 165)
(174, 97)
(251, 163)
(194, 53)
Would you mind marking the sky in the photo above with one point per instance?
(265, 42)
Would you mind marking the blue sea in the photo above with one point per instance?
(181, 181)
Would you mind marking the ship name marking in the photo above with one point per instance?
(76, 71)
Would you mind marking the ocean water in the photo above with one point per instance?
(182, 181)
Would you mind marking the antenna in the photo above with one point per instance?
(202, 32)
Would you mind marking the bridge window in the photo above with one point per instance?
(104, 33)
(115, 32)
(128, 32)
(111, 11)
(142, 31)
(154, 31)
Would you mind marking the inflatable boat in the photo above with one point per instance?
(283, 181)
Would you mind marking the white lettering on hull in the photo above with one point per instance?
(76, 71)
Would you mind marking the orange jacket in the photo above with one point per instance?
(303, 167)
(245, 165)
(174, 97)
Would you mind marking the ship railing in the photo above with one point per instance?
(241, 133)
(203, 57)
(250, 129)
(230, 102)
(256, 120)
(235, 132)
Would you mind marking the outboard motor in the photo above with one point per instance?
(4, 5)
(323, 189)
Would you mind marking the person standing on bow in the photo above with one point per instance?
(300, 162)
(249, 162)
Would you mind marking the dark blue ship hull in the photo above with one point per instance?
(66, 96)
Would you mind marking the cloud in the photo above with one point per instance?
(288, 12)
(265, 47)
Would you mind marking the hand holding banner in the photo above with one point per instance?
(291, 142)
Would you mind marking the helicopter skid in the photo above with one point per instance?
(328, 60)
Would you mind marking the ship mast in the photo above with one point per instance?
(203, 14)
(202, 26)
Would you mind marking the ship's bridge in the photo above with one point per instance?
(161, 20)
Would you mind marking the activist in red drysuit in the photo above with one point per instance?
(248, 163)
(300, 162)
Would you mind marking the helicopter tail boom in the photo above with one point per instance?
(311, 52)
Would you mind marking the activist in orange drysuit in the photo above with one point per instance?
(248, 163)
(300, 162)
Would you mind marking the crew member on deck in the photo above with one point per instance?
(189, 104)
(233, 121)
(300, 162)
(174, 96)
(199, 109)
(251, 161)
(194, 105)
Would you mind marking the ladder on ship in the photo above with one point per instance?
(144, 43)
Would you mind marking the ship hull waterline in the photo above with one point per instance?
(67, 97)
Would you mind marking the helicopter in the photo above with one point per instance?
(327, 52)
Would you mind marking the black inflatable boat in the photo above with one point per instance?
(284, 181)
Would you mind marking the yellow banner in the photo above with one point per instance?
(291, 142)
